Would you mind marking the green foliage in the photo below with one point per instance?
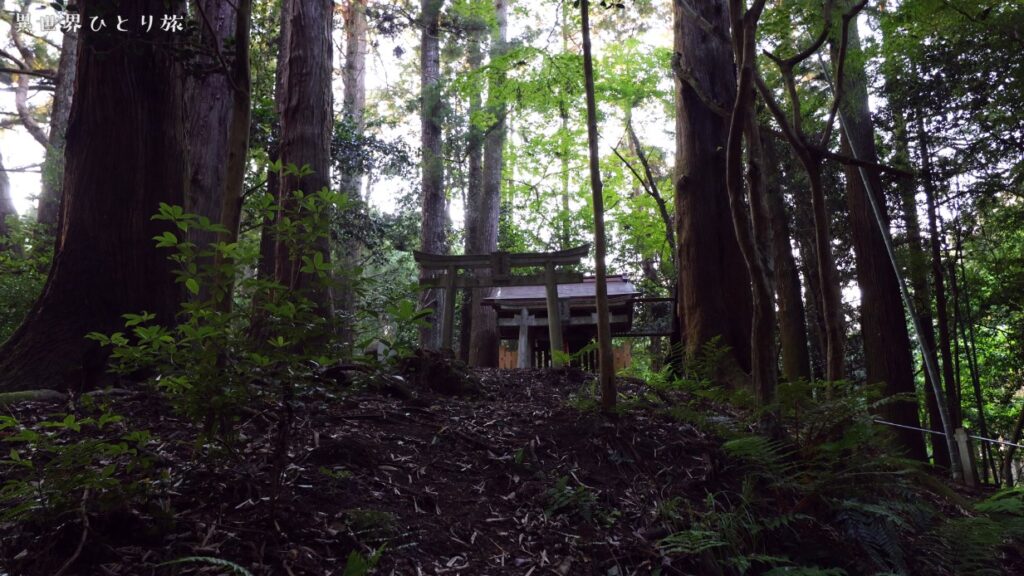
(24, 262)
(238, 337)
(65, 463)
(975, 545)
(403, 322)
(359, 565)
(577, 501)
(834, 481)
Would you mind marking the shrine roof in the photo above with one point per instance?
(619, 288)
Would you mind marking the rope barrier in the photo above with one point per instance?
(990, 440)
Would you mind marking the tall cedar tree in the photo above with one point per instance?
(474, 185)
(125, 154)
(918, 272)
(938, 274)
(306, 121)
(483, 236)
(433, 230)
(714, 285)
(883, 320)
(353, 110)
(218, 124)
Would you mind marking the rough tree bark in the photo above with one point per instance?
(53, 167)
(218, 100)
(354, 103)
(474, 188)
(433, 230)
(714, 285)
(306, 121)
(483, 342)
(125, 154)
(793, 341)
(750, 209)
(887, 355)
(606, 373)
(353, 109)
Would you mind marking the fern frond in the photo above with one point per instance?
(690, 542)
(235, 568)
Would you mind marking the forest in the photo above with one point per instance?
(532, 287)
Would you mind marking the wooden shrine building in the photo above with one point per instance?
(523, 317)
(525, 303)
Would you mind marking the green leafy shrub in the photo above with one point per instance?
(238, 337)
(67, 463)
(571, 500)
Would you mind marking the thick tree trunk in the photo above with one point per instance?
(125, 154)
(483, 341)
(266, 268)
(796, 358)
(354, 103)
(474, 189)
(918, 268)
(606, 374)
(353, 109)
(714, 286)
(53, 167)
(306, 122)
(887, 355)
(475, 318)
(218, 125)
(433, 230)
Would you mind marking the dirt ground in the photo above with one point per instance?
(515, 478)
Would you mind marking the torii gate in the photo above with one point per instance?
(501, 264)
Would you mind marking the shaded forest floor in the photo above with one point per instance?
(518, 478)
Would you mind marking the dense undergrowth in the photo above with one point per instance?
(828, 498)
(231, 385)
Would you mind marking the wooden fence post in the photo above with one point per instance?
(963, 447)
